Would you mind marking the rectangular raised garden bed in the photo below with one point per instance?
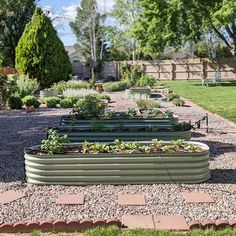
(117, 168)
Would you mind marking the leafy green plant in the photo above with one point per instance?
(55, 144)
(148, 103)
(68, 102)
(116, 86)
(103, 96)
(184, 126)
(14, 102)
(146, 80)
(31, 101)
(168, 149)
(151, 113)
(179, 143)
(26, 86)
(110, 114)
(168, 114)
(171, 96)
(52, 102)
(79, 93)
(178, 102)
(131, 113)
(89, 108)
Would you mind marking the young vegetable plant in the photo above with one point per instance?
(55, 144)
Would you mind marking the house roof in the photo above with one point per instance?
(70, 50)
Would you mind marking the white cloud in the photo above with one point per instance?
(105, 5)
(70, 12)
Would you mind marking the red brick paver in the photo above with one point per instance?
(195, 197)
(133, 200)
(138, 221)
(10, 196)
(70, 199)
(172, 222)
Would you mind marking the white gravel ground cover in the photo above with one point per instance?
(101, 200)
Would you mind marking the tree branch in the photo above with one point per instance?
(222, 37)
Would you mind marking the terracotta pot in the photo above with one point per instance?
(29, 109)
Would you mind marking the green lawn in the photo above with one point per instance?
(217, 99)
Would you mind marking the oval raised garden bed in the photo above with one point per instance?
(137, 133)
(160, 122)
(118, 168)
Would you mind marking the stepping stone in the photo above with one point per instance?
(195, 197)
(10, 196)
(138, 221)
(70, 199)
(132, 200)
(172, 222)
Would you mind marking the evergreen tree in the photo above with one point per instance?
(40, 53)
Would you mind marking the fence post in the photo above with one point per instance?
(173, 71)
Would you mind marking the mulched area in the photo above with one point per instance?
(19, 130)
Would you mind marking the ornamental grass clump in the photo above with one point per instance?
(148, 103)
(79, 93)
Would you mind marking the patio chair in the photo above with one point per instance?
(204, 81)
(217, 78)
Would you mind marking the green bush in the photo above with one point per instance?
(131, 73)
(26, 86)
(68, 102)
(103, 96)
(71, 84)
(41, 54)
(89, 108)
(178, 102)
(148, 103)
(116, 86)
(171, 96)
(146, 80)
(14, 102)
(31, 101)
(52, 102)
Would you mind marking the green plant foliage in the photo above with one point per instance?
(116, 86)
(52, 102)
(103, 96)
(55, 143)
(41, 54)
(89, 108)
(71, 84)
(68, 102)
(14, 102)
(148, 103)
(171, 96)
(184, 126)
(178, 102)
(26, 86)
(131, 73)
(175, 22)
(31, 101)
(146, 80)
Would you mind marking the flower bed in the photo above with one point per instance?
(120, 163)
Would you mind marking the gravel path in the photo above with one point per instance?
(19, 129)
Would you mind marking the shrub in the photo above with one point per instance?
(103, 96)
(182, 126)
(178, 102)
(148, 103)
(55, 143)
(131, 73)
(40, 53)
(26, 86)
(116, 86)
(71, 84)
(146, 80)
(171, 96)
(89, 108)
(68, 102)
(52, 102)
(31, 101)
(14, 102)
(79, 93)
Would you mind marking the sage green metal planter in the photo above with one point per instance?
(76, 135)
(85, 169)
(160, 122)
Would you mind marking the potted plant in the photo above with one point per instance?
(57, 162)
(30, 103)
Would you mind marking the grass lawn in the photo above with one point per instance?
(217, 99)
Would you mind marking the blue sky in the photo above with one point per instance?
(66, 10)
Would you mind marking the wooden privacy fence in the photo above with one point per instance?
(191, 69)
